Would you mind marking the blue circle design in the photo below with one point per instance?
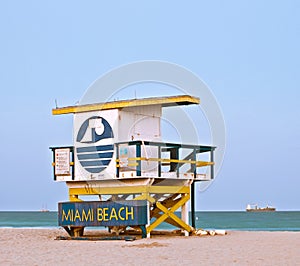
(94, 157)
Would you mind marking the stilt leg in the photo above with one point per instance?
(185, 216)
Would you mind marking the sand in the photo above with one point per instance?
(39, 247)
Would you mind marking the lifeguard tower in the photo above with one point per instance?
(119, 157)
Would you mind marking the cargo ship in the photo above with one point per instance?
(255, 208)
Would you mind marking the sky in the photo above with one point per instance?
(247, 52)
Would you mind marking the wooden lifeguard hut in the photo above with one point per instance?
(118, 156)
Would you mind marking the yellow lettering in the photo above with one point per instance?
(87, 216)
(77, 215)
(105, 214)
(119, 213)
(129, 213)
(99, 214)
(68, 216)
(113, 214)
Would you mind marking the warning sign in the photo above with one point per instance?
(62, 162)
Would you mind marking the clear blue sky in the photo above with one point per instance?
(246, 51)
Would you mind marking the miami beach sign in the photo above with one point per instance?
(108, 213)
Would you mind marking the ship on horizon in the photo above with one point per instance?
(255, 208)
(44, 209)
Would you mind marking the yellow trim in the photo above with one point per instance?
(132, 164)
(128, 190)
(169, 213)
(168, 189)
(74, 198)
(163, 101)
(198, 163)
(129, 164)
(107, 190)
(145, 196)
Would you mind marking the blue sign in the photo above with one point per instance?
(103, 213)
(95, 156)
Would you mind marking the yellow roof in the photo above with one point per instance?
(163, 101)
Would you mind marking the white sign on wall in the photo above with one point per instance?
(62, 162)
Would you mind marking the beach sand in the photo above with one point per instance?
(39, 247)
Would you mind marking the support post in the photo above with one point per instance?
(138, 155)
(159, 162)
(185, 216)
(53, 154)
(193, 204)
(73, 161)
(212, 174)
(148, 222)
(193, 191)
(117, 159)
(174, 154)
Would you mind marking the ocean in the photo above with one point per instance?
(244, 221)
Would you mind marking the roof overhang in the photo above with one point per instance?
(163, 101)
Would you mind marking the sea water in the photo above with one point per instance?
(245, 221)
